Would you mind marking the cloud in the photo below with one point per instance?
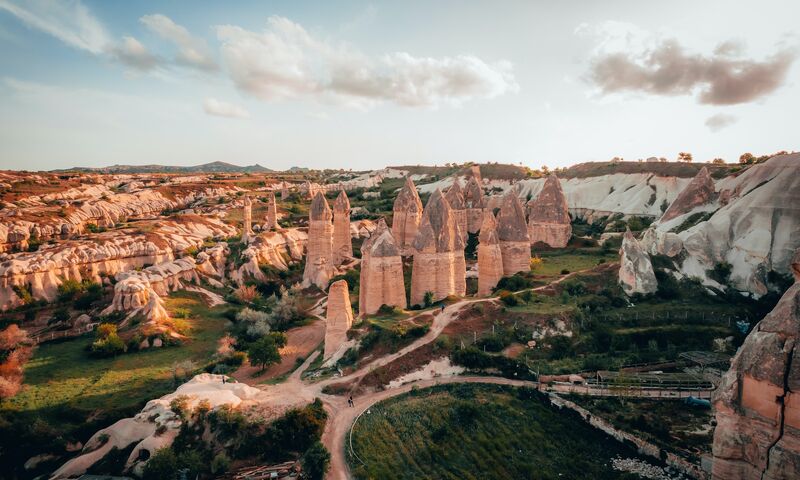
(286, 62)
(192, 52)
(133, 54)
(625, 62)
(719, 121)
(212, 106)
(69, 21)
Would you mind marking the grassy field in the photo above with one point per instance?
(554, 262)
(478, 431)
(64, 386)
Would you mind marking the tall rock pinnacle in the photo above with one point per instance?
(490, 258)
(381, 281)
(455, 198)
(407, 213)
(512, 232)
(475, 203)
(635, 271)
(338, 319)
(247, 217)
(319, 259)
(271, 218)
(342, 241)
(548, 215)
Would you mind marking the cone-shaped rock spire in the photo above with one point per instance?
(381, 280)
(548, 215)
(512, 231)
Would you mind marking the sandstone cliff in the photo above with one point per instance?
(439, 265)
(319, 256)
(342, 240)
(758, 402)
(490, 259)
(548, 215)
(381, 280)
(636, 271)
(407, 214)
(512, 232)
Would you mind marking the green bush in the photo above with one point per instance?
(316, 461)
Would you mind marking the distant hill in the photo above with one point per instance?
(213, 167)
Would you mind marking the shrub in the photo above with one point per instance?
(162, 465)
(428, 299)
(508, 298)
(107, 343)
(574, 287)
(220, 463)
(246, 293)
(315, 461)
(264, 351)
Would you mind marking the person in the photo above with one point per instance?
(443, 308)
(223, 379)
(350, 401)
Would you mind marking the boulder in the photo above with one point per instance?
(342, 239)
(319, 257)
(758, 401)
(700, 191)
(490, 259)
(381, 281)
(548, 215)
(512, 232)
(338, 319)
(635, 271)
(407, 214)
(439, 265)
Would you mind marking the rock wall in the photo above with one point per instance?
(548, 215)
(758, 402)
(319, 257)
(342, 240)
(490, 259)
(406, 217)
(635, 271)
(338, 319)
(381, 281)
(439, 265)
(512, 233)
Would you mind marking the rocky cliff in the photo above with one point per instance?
(700, 191)
(758, 402)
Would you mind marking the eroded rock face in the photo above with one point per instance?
(407, 214)
(107, 253)
(381, 280)
(276, 249)
(512, 232)
(157, 426)
(548, 215)
(455, 197)
(661, 243)
(635, 271)
(342, 240)
(700, 191)
(319, 257)
(475, 203)
(339, 318)
(490, 259)
(439, 264)
(271, 217)
(758, 402)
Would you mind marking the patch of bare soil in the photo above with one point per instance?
(514, 350)
(301, 341)
(476, 317)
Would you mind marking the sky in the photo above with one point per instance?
(362, 85)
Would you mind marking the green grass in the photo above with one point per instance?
(553, 264)
(478, 431)
(64, 386)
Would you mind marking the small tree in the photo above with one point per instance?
(685, 157)
(427, 299)
(264, 351)
(718, 161)
(315, 461)
(162, 465)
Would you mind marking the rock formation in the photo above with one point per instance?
(247, 220)
(635, 271)
(758, 401)
(276, 249)
(455, 197)
(156, 426)
(490, 259)
(407, 213)
(475, 203)
(548, 215)
(512, 231)
(271, 217)
(664, 243)
(381, 281)
(319, 257)
(439, 265)
(700, 191)
(342, 241)
(338, 319)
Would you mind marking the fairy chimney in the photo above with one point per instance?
(512, 232)
(342, 242)
(319, 258)
(338, 319)
(699, 191)
(407, 213)
(271, 218)
(455, 197)
(381, 281)
(490, 259)
(247, 217)
(475, 203)
(439, 266)
(548, 215)
(635, 269)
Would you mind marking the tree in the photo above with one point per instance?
(15, 351)
(718, 161)
(315, 461)
(162, 465)
(747, 158)
(427, 299)
(264, 351)
(685, 157)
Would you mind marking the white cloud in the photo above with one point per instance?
(286, 62)
(192, 52)
(133, 54)
(212, 106)
(69, 21)
(719, 121)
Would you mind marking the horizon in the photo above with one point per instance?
(358, 84)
